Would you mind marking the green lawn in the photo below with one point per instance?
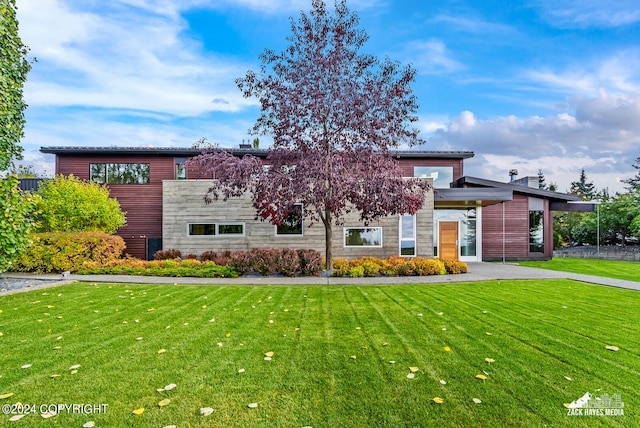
(629, 271)
(537, 332)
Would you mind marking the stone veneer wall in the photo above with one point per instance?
(631, 253)
(182, 203)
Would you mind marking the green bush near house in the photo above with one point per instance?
(59, 252)
(169, 267)
(396, 266)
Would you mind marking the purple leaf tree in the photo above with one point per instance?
(336, 116)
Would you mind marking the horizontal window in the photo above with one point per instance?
(363, 237)
(442, 175)
(119, 173)
(292, 224)
(216, 229)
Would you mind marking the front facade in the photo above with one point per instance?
(465, 218)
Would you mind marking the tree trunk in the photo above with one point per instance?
(328, 235)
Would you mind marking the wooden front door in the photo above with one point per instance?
(448, 240)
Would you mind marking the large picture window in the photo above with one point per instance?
(442, 175)
(216, 229)
(119, 173)
(292, 224)
(363, 237)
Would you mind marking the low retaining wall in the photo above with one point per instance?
(605, 253)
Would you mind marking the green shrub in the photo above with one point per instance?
(356, 272)
(173, 268)
(59, 252)
(69, 204)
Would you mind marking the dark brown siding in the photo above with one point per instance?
(516, 231)
(141, 202)
(407, 164)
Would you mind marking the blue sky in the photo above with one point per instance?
(540, 84)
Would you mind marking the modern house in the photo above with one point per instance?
(466, 218)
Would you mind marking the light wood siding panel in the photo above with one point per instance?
(183, 204)
(141, 202)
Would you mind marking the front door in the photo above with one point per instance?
(448, 236)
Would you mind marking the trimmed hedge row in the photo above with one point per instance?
(396, 266)
(286, 261)
(59, 252)
(173, 268)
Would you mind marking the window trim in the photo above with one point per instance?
(217, 233)
(344, 237)
(412, 239)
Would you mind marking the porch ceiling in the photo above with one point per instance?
(471, 196)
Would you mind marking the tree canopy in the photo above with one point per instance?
(634, 182)
(15, 205)
(582, 187)
(336, 115)
(69, 204)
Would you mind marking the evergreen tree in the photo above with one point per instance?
(541, 181)
(582, 187)
(634, 182)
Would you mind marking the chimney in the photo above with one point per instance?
(513, 174)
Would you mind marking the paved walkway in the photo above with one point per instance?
(477, 272)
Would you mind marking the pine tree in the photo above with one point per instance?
(634, 182)
(586, 190)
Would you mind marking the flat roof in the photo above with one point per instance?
(531, 191)
(186, 151)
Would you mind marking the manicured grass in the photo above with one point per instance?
(629, 271)
(540, 332)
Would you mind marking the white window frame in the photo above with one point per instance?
(217, 233)
(344, 237)
(412, 239)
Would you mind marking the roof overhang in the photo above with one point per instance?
(555, 198)
(471, 196)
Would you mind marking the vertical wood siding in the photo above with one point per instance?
(141, 202)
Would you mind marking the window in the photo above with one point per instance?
(181, 168)
(292, 223)
(363, 237)
(408, 235)
(442, 175)
(536, 231)
(216, 229)
(119, 173)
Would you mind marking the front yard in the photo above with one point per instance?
(406, 355)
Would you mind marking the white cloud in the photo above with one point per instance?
(603, 136)
(589, 13)
(431, 57)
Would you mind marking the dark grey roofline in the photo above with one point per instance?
(546, 194)
(472, 196)
(178, 151)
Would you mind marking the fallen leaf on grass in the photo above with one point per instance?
(477, 400)
(411, 375)
(170, 387)
(164, 402)
(358, 328)
(74, 371)
(481, 376)
(447, 349)
(47, 415)
(162, 351)
(568, 378)
(612, 348)
(228, 334)
(490, 360)
(74, 367)
(240, 370)
(206, 411)
(268, 354)
(252, 405)
(7, 395)
(440, 313)
(138, 411)
(419, 315)
(488, 334)
(89, 424)
(17, 417)
(414, 369)
(443, 382)
(53, 376)
(437, 400)
(353, 357)
(392, 362)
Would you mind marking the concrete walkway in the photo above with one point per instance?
(477, 272)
